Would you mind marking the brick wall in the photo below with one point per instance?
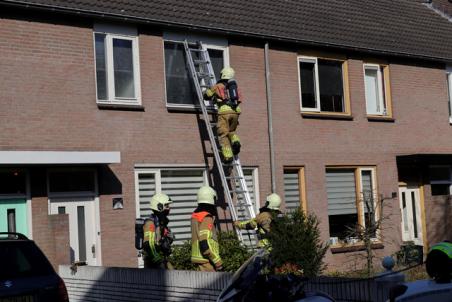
(47, 96)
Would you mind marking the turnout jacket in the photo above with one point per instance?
(204, 239)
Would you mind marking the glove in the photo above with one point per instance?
(165, 245)
(237, 224)
(219, 266)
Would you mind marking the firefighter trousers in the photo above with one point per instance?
(226, 127)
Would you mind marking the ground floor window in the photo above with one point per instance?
(182, 185)
(294, 188)
(440, 180)
(352, 199)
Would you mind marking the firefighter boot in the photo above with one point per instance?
(236, 148)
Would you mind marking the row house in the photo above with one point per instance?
(346, 104)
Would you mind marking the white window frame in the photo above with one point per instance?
(443, 182)
(156, 171)
(305, 59)
(381, 93)
(374, 193)
(208, 43)
(112, 32)
(449, 90)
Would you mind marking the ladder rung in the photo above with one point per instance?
(196, 50)
(238, 191)
(204, 75)
(200, 62)
(234, 177)
(229, 164)
(204, 86)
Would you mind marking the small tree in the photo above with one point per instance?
(296, 245)
(367, 231)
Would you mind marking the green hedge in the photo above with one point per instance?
(232, 252)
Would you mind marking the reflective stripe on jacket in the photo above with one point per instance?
(152, 236)
(202, 228)
(262, 222)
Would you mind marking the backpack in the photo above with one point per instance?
(232, 93)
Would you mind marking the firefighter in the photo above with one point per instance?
(227, 97)
(205, 249)
(439, 262)
(157, 236)
(263, 220)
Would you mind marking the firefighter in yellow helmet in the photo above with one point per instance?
(205, 249)
(227, 98)
(157, 236)
(263, 220)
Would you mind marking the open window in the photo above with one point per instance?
(180, 91)
(377, 89)
(352, 201)
(324, 85)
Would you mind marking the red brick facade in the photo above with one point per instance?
(48, 102)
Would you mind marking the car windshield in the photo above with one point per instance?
(22, 259)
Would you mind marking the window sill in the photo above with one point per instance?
(128, 107)
(345, 248)
(327, 115)
(380, 118)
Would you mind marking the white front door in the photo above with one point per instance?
(82, 226)
(411, 215)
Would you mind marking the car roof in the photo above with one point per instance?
(8, 236)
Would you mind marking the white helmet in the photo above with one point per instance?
(227, 73)
(206, 195)
(273, 201)
(159, 201)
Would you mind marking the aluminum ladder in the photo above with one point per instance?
(234, 185)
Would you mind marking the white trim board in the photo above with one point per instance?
(59, 157)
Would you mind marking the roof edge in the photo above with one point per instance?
(149, 21)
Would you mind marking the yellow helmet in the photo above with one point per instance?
(227, 73)
(273, 201)
(206, 195)
(159, 201)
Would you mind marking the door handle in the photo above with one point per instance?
(93, 250)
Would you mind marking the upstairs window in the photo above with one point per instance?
(117, 68)
(376, 82)
(323, 86)
(180, 92)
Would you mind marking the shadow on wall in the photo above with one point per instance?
(109, 184)
(92, 283)
(442, 219)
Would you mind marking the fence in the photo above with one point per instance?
(352, 289)
(93, 283)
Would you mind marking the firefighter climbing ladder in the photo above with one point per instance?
(203, 77)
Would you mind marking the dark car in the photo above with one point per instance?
(25, 273)
(249, 285)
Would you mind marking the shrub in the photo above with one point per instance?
(180, 258)
(232, 252)
(296, 245)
